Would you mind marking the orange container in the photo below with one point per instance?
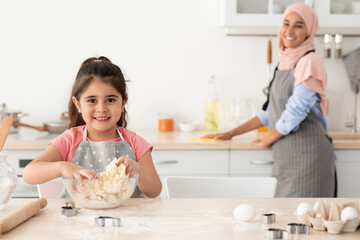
(166, 124)
(262, 132)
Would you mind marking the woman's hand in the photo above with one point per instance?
(132, 167)
(72, 170)
(219, 136)
(260, 143)
(272, 137)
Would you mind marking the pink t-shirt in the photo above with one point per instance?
(68, 142)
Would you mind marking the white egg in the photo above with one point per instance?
(304, 208)
(326, 204)
(349, 213)
(244, 212)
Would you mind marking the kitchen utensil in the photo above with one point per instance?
(100, 193)
(268, 218)
(298, 228)
(56, 126)
(276, 233)
(5, 129)
(69, 210)
(105, 221)
(16, 115)
(269, 61)
(22, 214)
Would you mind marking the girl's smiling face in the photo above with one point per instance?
(293, 30)
(100, 105)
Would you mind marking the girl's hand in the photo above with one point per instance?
(72, 170)
(219, 136)
(132, 167)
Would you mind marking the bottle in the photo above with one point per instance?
(327, 45)
(212, 105)
(338, 45)
(8, 180)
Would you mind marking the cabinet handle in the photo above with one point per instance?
(166, 162)
(262, 162)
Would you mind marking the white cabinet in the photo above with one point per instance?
(348, 167)
(263, 17)
(338, 16)
(191, 163)
(250, 163)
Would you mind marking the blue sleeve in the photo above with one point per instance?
(297, 108)
(264, 117)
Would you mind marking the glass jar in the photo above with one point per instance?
(8, 180)
(327, 45)
(166, 122)
(338, 45)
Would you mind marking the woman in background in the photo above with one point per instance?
(296, 112)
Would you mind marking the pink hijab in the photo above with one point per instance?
(310, 70)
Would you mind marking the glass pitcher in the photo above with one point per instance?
(8, 180)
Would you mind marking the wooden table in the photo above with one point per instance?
(164, 219)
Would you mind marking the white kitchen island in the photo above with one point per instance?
(165, 219)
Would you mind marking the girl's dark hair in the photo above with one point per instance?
(107, 72)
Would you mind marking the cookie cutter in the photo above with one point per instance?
(276, 233)
(105, 221)
(69, 210)
(298, 228)
(268, 218)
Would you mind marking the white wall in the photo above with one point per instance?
(167, 48)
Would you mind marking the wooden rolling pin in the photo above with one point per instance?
(5, 129)
(21, 215)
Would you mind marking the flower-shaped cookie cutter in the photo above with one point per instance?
(69, 210)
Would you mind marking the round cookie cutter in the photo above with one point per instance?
(105, 221)
(276, 233)
(298, 228)
(268, 218)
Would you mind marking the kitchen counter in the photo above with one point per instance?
(28, 139)
(164, 219)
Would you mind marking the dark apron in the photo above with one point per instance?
(304, 161)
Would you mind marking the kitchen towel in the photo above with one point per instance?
(352, 65)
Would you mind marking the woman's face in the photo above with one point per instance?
(293, 30)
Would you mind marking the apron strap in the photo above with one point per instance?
(117, 129)
(265, 105)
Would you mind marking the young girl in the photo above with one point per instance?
(296, 112)
(98, 133)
